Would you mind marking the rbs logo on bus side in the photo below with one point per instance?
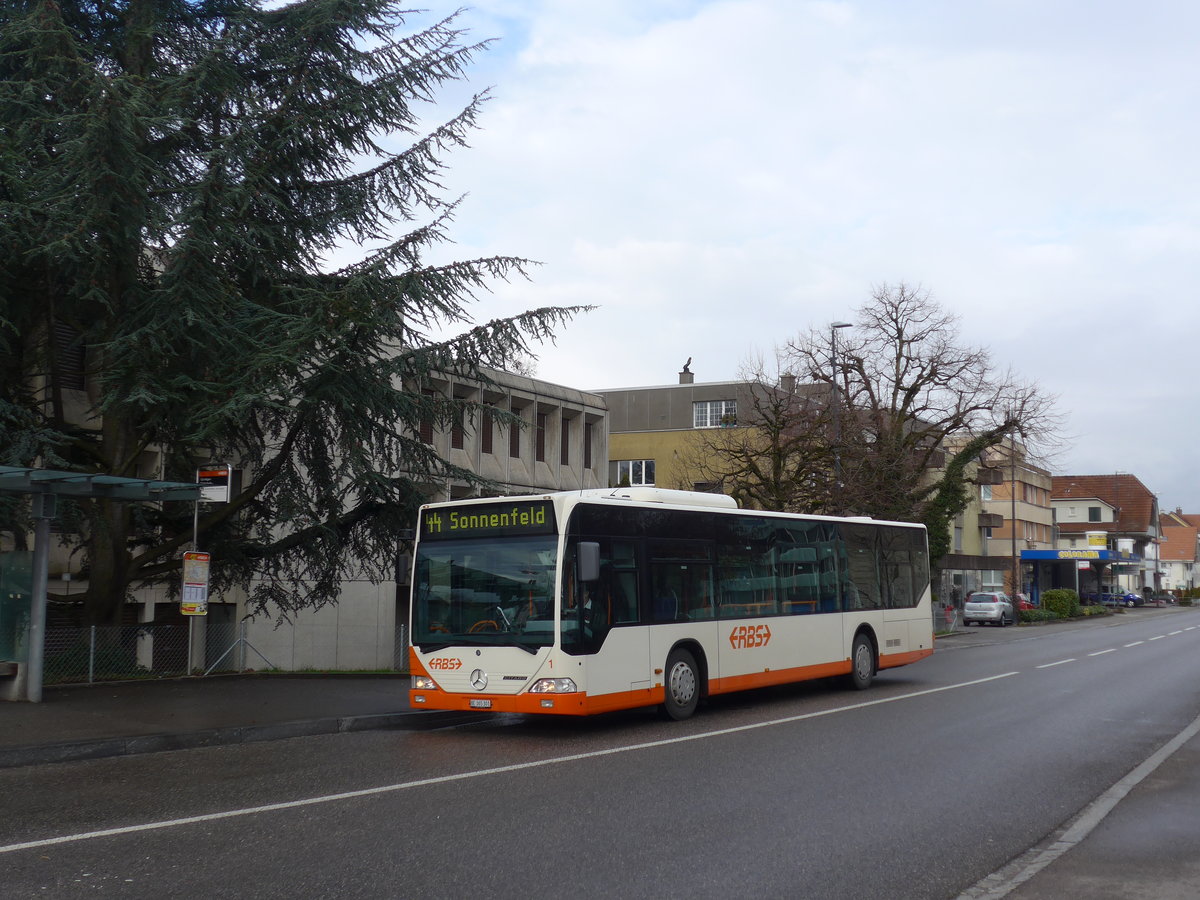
(445, 662)
(747, 636)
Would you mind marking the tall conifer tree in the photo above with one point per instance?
(175, 177)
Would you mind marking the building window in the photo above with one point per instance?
(70, 355)
(985, 492)
(427, 419)
(457, 432)
(1093, 514)
(540, 433)
(485, 429)
(635, 472)
(564, 443)
(958, 539)
(514, 438)
(987, 531)
(714, 414)
(587, 445)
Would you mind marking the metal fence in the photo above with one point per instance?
(945, 618)
(400, 649)
(89, 654)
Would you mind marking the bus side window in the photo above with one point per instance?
(624, 597)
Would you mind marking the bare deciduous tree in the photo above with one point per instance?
(778, 457)
(917, 406)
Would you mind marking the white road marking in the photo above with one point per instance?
(1059, 663)
(1169, 633)
(480, 773)
(1102, 652)
(1158, 637)
(1135, 643)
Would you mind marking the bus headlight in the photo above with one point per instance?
(553, 686)
(423, 683)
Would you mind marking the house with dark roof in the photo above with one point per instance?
(1112, 523)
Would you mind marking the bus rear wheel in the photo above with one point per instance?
(682, 685)
(862, 663)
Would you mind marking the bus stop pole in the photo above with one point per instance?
(43, 511)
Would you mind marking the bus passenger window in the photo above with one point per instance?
(624, 597)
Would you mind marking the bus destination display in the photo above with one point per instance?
(511, 519)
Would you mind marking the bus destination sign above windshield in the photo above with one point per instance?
(511, 519)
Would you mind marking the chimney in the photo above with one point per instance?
(787, 384)
(686, 377)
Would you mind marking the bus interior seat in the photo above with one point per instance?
(666, 608)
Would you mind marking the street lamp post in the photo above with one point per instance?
(837, 425)
(1012, 490)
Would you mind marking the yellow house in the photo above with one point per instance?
(652, 430)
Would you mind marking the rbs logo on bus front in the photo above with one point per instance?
(444, 662)
(745, 637)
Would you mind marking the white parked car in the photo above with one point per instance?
(989, 606)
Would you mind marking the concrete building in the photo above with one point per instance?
(562, 446)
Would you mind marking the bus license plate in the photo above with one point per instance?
(481, 704)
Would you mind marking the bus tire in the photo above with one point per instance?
(862, 663)
(681, 685)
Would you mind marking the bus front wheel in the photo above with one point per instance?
(682, 685)
(862, 663)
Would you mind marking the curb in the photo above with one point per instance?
(102, 748)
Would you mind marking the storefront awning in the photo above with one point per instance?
(1084, 555)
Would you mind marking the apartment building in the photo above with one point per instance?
(1020, 517)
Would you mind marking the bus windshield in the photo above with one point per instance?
(493, 592)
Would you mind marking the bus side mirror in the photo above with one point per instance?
(587, 561)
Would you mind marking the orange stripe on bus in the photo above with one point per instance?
(891, 660)
(581, 704)
(414, 663)
(777, 676)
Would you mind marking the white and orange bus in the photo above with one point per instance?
(589, 601)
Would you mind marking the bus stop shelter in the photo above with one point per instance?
(23, 599)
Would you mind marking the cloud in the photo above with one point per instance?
(717, 177)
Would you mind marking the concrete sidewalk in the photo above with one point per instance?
(1136, 841)
(92, 721)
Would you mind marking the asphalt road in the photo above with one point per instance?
(919, 788)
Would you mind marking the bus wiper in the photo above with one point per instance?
(431, 648)
(466, 641)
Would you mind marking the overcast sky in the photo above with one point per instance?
(717, 177)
